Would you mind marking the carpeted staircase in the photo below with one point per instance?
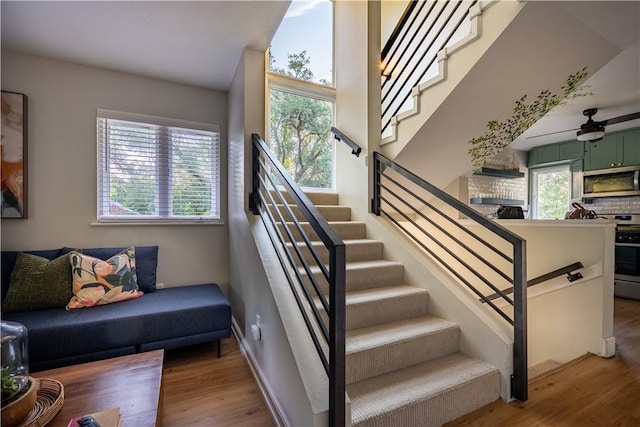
(403, 366)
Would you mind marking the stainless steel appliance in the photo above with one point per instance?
(627, 257)
(623, 181)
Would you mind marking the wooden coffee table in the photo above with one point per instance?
(132, 383)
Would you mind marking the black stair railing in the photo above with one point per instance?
(425, 28)
(479, 252)
(312, 270)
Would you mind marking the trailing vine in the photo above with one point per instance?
(500, 134)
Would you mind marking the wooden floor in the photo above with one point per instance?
(203, 391)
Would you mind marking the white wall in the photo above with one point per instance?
(253, 290)
(62, 99)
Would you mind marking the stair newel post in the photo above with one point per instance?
(254, 198)
(337, 336)
(519, 378)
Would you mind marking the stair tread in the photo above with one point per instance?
(405, 387)
(376, 294)
(337, 222)
(346, 242)
(362, 265)
(397, 331)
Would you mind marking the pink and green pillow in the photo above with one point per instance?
(98, 282)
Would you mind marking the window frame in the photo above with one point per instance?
(163, 188)
(534, 172)
(304, 88)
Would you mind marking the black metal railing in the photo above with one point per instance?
(478, 251)
(355, 148)
(312, 257)
(412, 49)
(568, 270)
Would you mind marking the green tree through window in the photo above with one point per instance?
(300, 129)
(552, 192)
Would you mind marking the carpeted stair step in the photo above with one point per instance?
(374, 306)
(346, 230)
(317, 198)
(383, 348)
(356, 250)
(330, 213)
(428, 394)
(364, 275)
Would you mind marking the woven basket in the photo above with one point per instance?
(48, 403)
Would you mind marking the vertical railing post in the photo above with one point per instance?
(377, 171)
(254, 199)
(337, 336)
(519, 378)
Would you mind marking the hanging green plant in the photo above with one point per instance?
(501, 134)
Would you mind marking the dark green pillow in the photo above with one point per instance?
(38, 283)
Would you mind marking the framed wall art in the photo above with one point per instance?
(13, 154)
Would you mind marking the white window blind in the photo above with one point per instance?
(157, 169)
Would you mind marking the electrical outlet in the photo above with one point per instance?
(258, 320)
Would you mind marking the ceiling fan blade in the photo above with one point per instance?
(621, 119)
(551, 133)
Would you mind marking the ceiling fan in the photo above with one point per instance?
(593, 130)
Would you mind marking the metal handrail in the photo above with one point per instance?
(568, 270)
(355, 148)
(470, 266)
(413, 47)
(270, 183)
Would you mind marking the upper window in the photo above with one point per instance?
(305, 39)
(301, 93)
(154, 169)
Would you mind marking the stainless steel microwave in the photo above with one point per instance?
(616, 182)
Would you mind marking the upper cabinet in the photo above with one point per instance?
(569, 150)
(613, 151)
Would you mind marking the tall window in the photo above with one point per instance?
(301, 96)
(153, 169)
(550, 192)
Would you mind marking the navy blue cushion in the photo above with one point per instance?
(8, 259)
(169, 313)
(146, 262)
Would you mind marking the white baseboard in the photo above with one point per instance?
(608, 347)
(272, 404)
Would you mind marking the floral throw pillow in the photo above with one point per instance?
(98, 282)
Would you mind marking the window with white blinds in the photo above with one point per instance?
(154, 169)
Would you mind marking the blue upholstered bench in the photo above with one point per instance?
(163, 318)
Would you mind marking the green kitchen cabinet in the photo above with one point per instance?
(571, 150)
(614, 150)
(603, 154)
(631, 147)
(550, 153)
(543, 154)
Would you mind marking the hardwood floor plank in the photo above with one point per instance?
(592, 392)
(201, 390)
